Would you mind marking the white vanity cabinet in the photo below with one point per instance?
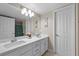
(35, 48)
(19, 51)
(44, 45)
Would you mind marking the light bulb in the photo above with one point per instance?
(23, 11)
(29, 12)
(26, 13)
(32, 14)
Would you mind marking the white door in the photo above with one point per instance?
(65, 30)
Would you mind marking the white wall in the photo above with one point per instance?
(50, 29)
(31, 25)
(36, 24)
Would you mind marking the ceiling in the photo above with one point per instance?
(14, 10)
(11, 11)
(42, 8)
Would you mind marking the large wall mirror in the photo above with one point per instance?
(11, 28)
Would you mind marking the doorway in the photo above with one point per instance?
(65, 30)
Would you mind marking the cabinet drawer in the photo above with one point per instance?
(27, 53)
(18, 51)
(36, 44)
(23, 49)
(6, 53)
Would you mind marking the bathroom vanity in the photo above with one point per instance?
(36, 46)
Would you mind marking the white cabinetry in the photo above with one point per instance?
(44, 45)
(23, 50)
(36, 48)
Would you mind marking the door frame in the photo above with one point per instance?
(76, 30)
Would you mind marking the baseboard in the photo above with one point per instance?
(51, 50)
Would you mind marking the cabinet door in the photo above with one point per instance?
(44, 45)
(36, 48)
(27, 53)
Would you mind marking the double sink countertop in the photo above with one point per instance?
(26, 41)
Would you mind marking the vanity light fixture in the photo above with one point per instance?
(27, 13)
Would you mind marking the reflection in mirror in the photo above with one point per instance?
(19, 28)
(7, 28)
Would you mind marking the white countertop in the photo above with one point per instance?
(26, 40)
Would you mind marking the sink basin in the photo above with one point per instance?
(14, 44)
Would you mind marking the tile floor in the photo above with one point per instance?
(49, 53)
